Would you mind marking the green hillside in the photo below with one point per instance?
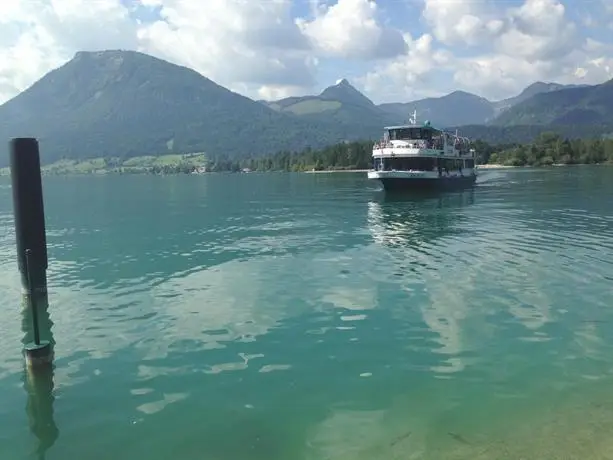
(124, 103)
(588, 105)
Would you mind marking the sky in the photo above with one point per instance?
(392, 50)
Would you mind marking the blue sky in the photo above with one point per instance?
(392, 50)
(593, 21)
(402, 15)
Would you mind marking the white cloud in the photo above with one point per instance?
(232, 40)
(498, 75)
(508, 49)
(539, 30)
(460, 22)
(350, 29)
(539, 43)
(276, 92)
(272, 48)
(256, 46)
(38, 35)
(404, 77)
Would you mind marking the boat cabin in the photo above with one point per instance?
(425, 137)
(411, 133)
(422, 148)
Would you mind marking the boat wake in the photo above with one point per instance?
(490, 178)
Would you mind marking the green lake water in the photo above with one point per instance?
(309, 316)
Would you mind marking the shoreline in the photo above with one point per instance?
(497, 166)
(330, 171)
(54, 170)
(554, 165)
(484, 166)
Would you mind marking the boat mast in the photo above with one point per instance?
(413, 118)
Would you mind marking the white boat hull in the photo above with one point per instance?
(426, 180)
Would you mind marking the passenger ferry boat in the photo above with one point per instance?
(416, 156)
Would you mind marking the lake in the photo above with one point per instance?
(310, 316)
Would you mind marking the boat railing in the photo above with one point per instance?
(459, 150)
(411, 144)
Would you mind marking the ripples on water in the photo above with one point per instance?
(311, 316)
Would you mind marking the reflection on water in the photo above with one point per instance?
(38, 382)
(416, 220)
(417, 231)
(38, 386)
(306, 317)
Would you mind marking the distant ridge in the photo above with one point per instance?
(345, 93)
(125, 103)
(531, 91)
(456, 108)
(117, 103)
(582, 105)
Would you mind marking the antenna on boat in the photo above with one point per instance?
(413, 118)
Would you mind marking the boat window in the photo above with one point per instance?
(437, 142)
(410, 134)
(408, 164)
(450, 164)
(462, 144)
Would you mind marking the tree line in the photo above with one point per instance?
(346, 155)
(546, 149)
(550, 148)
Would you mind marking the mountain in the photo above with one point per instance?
(531, 91)
(125, 103)
(461, 108)
(341, 96)
(346, 94)
(342, 104)
(582, 105)
(457, 108)
(523, 134)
